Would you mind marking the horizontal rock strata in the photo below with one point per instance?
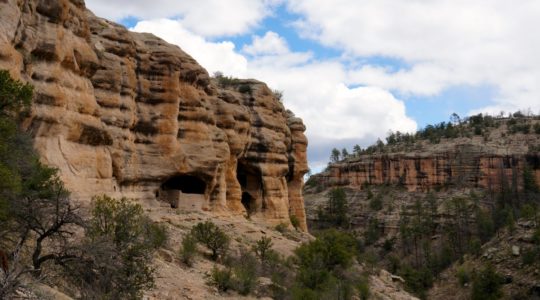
(128, 114)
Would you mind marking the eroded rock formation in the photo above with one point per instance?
(465, 165)
(122, 113)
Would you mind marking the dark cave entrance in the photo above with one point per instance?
(185, 183)
(250, 183)
(185, 190)
(248, 202)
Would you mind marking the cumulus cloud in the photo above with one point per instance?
(214, 56)
(203, 17)
(444, 42)
(270, 43)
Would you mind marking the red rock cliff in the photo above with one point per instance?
(462, 165)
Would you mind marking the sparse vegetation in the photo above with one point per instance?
(263, 248)
(221, 278)
(295, 222)
(334, 214)
(457, 127)
(487, 285)
(281, 227)
(188, 250)
(115, 259)
(212, 237)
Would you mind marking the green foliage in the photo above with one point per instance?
(118, 251)
(263, 248)
(344, 153)
(281, 227)
(14, 95)
(221, 278)
(35, 210)
(295, 222)
(529, 181)
(417, 280)
(318, 259)
(536, 128)
(157, 234)
(530, 256)
(212, 237)
(335, 212)
(363, 288)
(523, 128)
(485, 225)
(335, 155)
(487, 285)
(225, 81)
(188, 250)
(463, 275)
(373, 232)
(245, 89)
(376, 203)
(245, 272)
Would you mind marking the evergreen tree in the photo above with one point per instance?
(344, 153)
(335, 155)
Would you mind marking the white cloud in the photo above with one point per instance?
(203, 17)
(270, 43)
(214, 56)
(444, 42)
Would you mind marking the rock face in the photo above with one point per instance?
(465, 165)
(128, 114)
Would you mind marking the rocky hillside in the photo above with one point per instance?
(422, 201)
(128, 114)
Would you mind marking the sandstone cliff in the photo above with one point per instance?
(476, 162)
(128, 114)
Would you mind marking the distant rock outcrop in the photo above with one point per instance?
(471, 163)
(128, 114)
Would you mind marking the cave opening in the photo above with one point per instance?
(250, 183)
(248, 202)
(186, 183)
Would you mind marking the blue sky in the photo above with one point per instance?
(354, 70)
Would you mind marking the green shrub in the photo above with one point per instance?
(417, 280)
(118, 251)
(263, 248)
(221, 278)
(335, 212)
(376, 203)
(245, 89)
(319, 258)
(212, 237)
(463, 276)
(281, 227)
(373, 232)
(245, 273)
(487, 285)
(157, 234)
(529, 256)
(295, 222)
(363, 288)
(537, 128)
(188, 250)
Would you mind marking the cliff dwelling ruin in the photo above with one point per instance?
(183, 191)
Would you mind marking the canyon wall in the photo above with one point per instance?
(127, 114)
(466, 165)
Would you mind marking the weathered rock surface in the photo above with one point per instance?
(468, 164)
(122, 113)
